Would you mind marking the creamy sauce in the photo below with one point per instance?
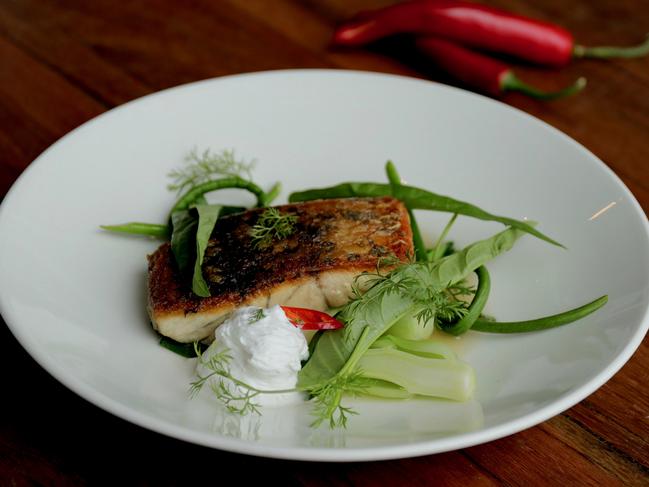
(266, 353)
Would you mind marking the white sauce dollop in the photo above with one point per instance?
(266, 353)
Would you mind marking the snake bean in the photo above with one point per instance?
(540, 323)
(475, 308)
(418, 241)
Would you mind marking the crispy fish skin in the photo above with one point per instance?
(334, 241)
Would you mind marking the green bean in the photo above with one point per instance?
(540, 323)
(194, 194)
(138, 228)
(395, 182)
(475, 308)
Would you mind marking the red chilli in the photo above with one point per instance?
(310, 319)
(483, 73)
(480, 27)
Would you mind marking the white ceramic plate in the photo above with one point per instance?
(74, 295)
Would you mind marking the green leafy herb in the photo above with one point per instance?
(236, 395)
(328, 393)
(202, 167)
(207, 216)
(272, 225)
(191, 232)
(218, 365)
(183, 237)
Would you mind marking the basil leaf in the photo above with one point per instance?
(191, 232)
(415, 199)
(207, 216)
(184, 224)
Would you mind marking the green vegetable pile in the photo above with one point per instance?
(384, 348)
(192, 218)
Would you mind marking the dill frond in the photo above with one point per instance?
(411, 280)
(256, 316)
(241, 404)
(237, 396)
(272, 225)
(328, 396)
(201, 167)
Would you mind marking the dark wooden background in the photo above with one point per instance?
(64, 62)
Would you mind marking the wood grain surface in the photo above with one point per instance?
(64, 62)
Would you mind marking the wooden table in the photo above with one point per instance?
(62, 63)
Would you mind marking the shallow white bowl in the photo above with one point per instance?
(74, 295)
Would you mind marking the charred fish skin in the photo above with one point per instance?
(333, 241)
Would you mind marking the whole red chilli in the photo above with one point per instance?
(476, 26)
(483, 73)
(475, 70)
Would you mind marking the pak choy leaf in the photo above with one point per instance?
(191, 232)
(415, 199)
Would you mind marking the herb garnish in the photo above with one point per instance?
(218, 365)
(237, 399)
(272, 225)
(203, 167)
(256, 316)
(240, 398)
(362, 357)
(430, 300)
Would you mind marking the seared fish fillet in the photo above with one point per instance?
(334, 241)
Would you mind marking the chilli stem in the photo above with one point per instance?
(510, 82)
(605, 52)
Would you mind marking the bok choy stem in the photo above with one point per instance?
(448, 379)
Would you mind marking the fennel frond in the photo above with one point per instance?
(201, 167)
(272, 225)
